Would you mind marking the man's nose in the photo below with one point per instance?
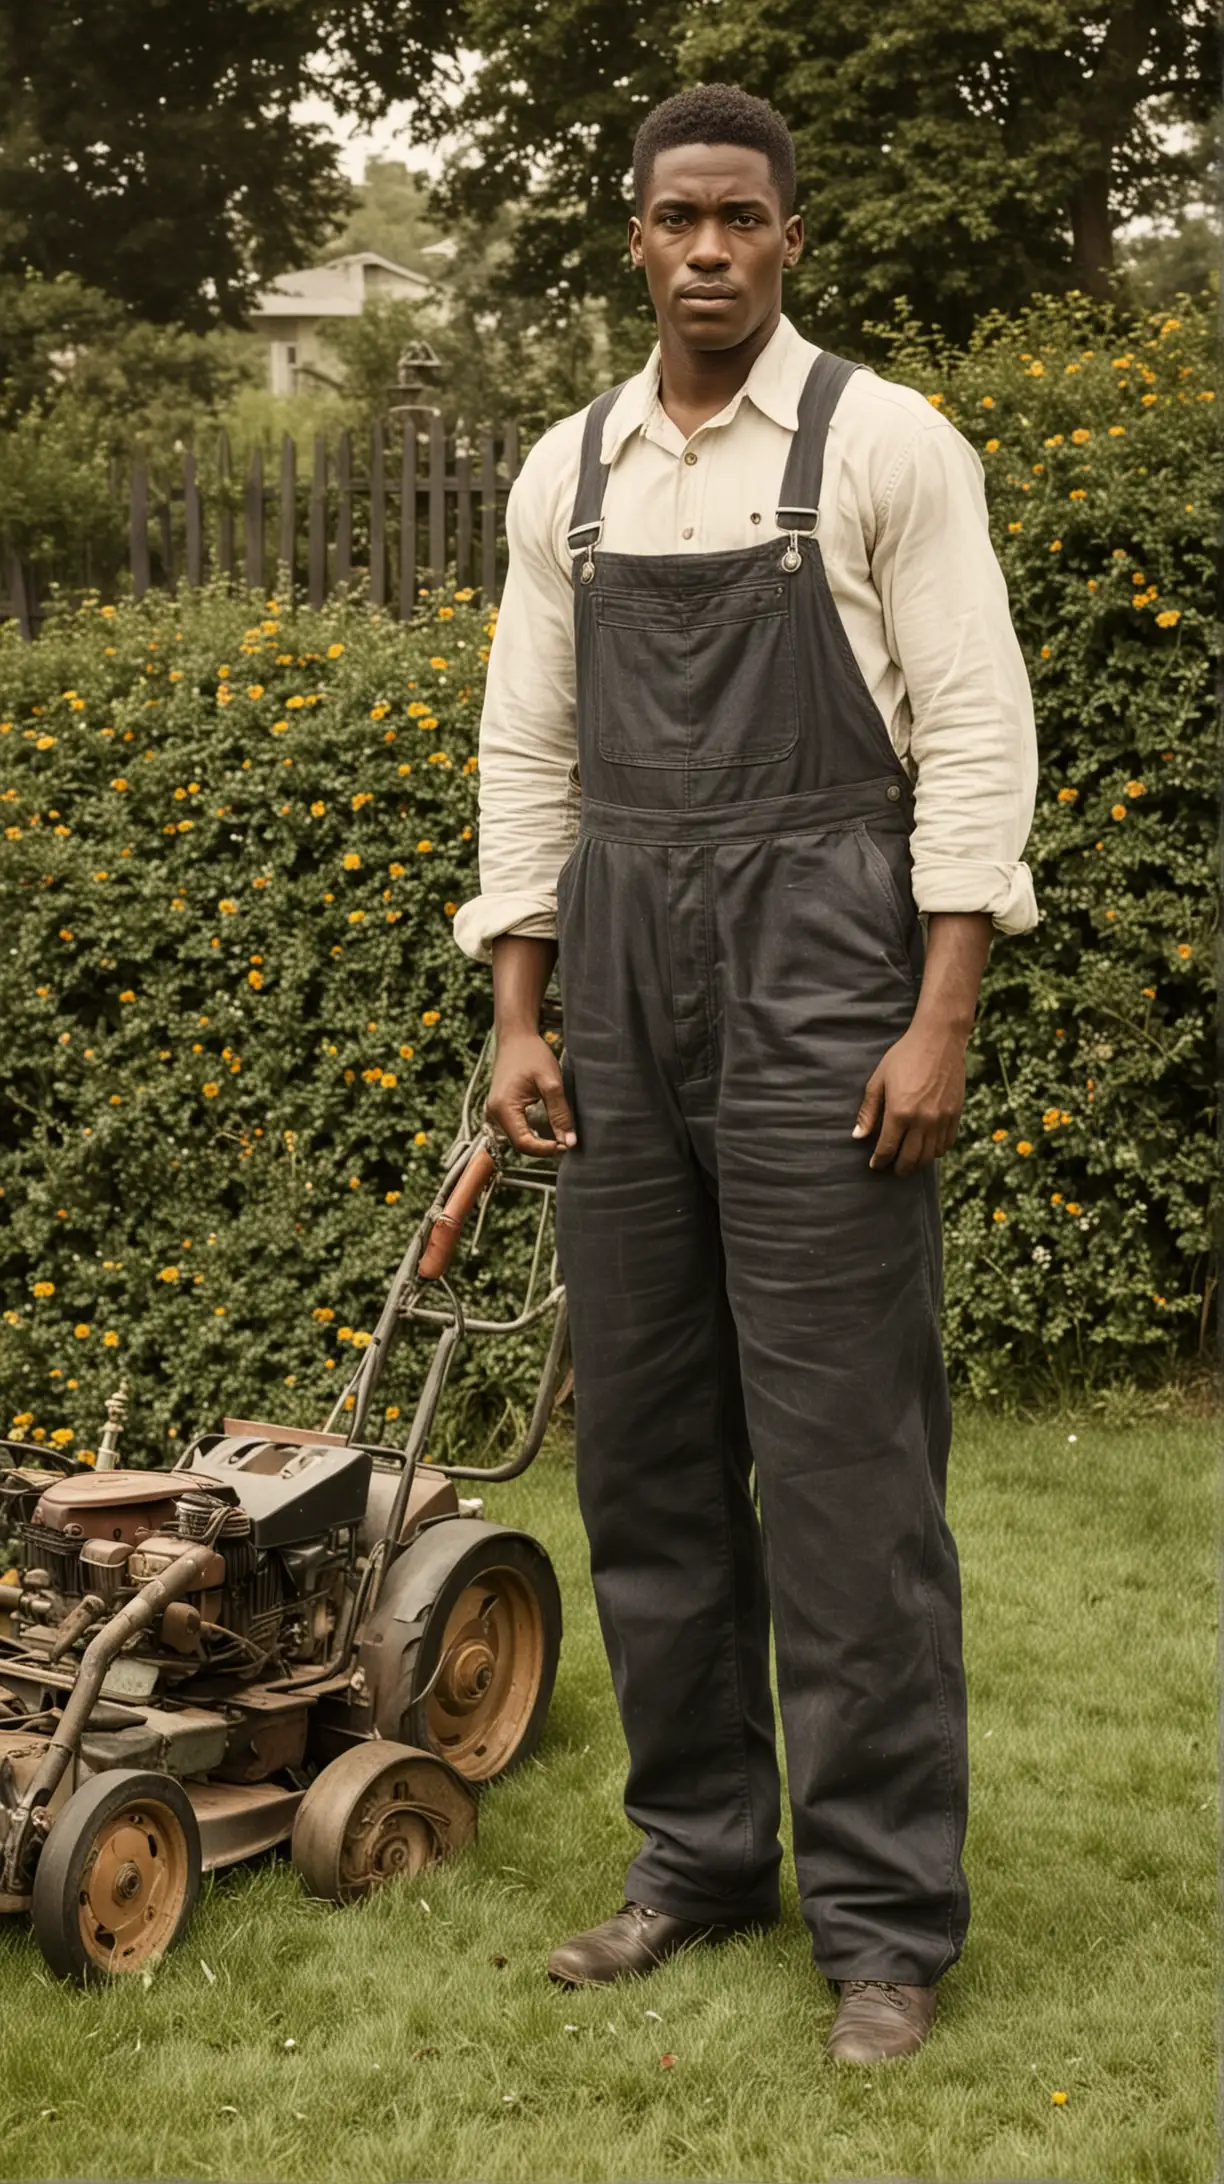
(708, 249)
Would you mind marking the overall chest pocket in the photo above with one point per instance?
(699, 682)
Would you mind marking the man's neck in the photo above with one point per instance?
(694, 384)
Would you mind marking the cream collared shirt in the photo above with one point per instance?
(904, 534)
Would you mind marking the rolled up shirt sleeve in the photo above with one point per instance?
(972, 735)
(529, 795)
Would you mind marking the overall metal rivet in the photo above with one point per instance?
(587, 572)
(893, 793)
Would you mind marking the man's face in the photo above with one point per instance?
(713, 240)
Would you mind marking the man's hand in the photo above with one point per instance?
(526, 1069)
(919, 1090)
(916, 1094)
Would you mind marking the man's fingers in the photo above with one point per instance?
(870, 1106)
(888, 1144)
(559, 1114)
(917, 1151)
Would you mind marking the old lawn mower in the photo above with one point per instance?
(290, 1636)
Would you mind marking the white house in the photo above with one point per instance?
(293, 314)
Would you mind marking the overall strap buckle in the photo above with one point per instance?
(786, 520)
(585, 536)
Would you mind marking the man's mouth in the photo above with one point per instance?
(707, 295)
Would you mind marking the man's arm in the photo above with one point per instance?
(526, 1068)
(974, 743)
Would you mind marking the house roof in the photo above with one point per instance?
(334, 290)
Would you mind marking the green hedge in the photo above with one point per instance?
(236, 1024)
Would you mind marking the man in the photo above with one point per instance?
(752, 594)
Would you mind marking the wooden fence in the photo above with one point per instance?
(394, 517)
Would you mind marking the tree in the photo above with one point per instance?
(154, 152)
(965, 159)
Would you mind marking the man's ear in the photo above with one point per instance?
(636, 255)
(794, 240)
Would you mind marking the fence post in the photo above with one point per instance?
(139, 540)
(253, 522)
(437, 499)
(463, 520)
(225, 517)
(318, 524)
(408, 522)
(287, 548)
(344, 512)
(488, 520)
(194, 525)
(19, 601)
(378, 519)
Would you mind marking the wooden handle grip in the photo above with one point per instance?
(448, 1227)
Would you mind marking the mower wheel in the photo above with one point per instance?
(380, 1812)
(476, 1683)
(118, 1878)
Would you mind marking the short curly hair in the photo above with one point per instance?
(716, 113)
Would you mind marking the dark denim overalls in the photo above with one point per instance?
(739, 946)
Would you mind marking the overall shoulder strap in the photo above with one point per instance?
(801, 482)
(586, 521)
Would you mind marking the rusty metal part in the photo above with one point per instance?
(237, 1820)
(119, 1876)
(117, 1505)
(268, 1738)
(431, 1495)
(137, 1615)
(490, 1665)
(103, 1565)
(380, 1812)
(444, 1236)
(75, 1624)
(107, 1458)
(180, 1627)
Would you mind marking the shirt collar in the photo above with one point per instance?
(774, 386)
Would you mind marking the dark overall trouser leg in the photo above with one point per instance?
(719, 1222)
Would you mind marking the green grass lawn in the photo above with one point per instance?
(287, 2040)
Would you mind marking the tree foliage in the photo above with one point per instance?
(156, 153)
(965, 161)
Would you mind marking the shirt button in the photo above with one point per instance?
(690, 457)
(687, 532)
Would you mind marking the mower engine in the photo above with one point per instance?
(283, 1527)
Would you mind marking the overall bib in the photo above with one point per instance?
(738, 948)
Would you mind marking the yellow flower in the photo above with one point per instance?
(1184, 950)
(997, 1136)
(1068, 796)
(396, 871)
(421, 1138)
(128, 996)
(255, 979)
(1023, 1148)
(465, 595)
(120, 784)
(388, 1080)
(438, 661)
(352, 862)
(1117, 811)
(65, 932)
(1014, 527)
(393, 1198)
(362, 798)
(227, 908)
(168, 1274)
(44, 743)
(281, 728)
(434, 1016)
(81, 1330)
(334, 651)
(1146, 400)
(987, 401)
(1135, 788)
(210, 1091)
(110, 1340)
(1078, 494)
(1072, 1208)
(450, 909)
(998, 1214)
(356, 917)
(1036, 370)
(317, 810)
(44, 1289)
(446, 614)
(423, 848)
(1169, 618)
(992, 447)
(1149, 993)
(1055, 545)
(294, 705)
(416, 710)
(1116, 431)
(61, 1436)
(255, 690)
(392, 1411)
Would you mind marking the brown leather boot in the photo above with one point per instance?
(877, 2020)
(634, 1939)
